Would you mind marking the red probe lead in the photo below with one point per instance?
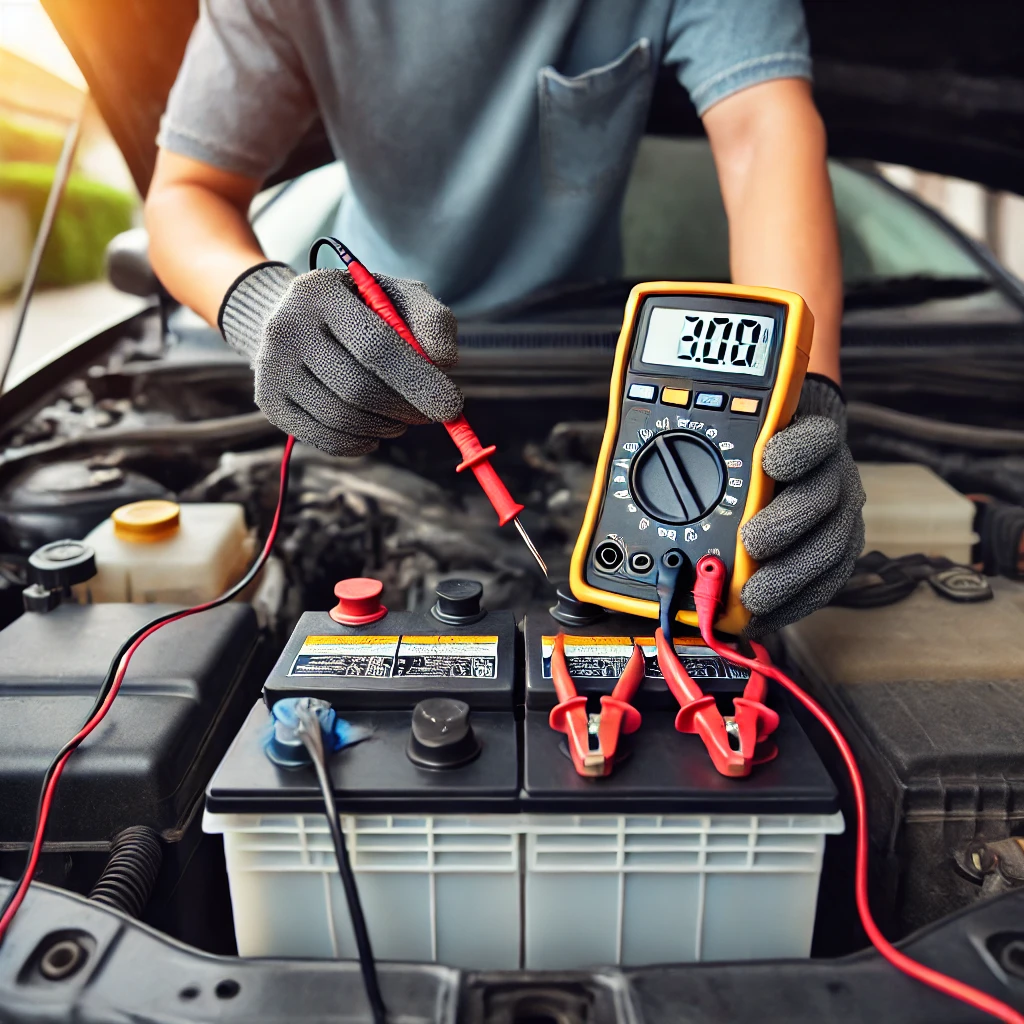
(474, 455)
(707, 596)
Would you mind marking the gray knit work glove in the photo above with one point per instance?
(809, 535)
(328, 369)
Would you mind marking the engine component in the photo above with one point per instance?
(146, 763)
(911, 509)
(154, 751)
(67, 499)
(53, 570)
(160, 551)
(928, 691)
(878, 580)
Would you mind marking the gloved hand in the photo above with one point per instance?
(328, 369)
(808, 537)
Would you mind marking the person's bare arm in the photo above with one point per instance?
(199, 234)
(768, 143)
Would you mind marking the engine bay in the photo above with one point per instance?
(169, 418)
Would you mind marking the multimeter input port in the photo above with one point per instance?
(641, 563)
(672, 559)
(608, 556)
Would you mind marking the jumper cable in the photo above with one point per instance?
(593, 739)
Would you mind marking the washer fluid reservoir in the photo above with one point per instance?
(159, 551)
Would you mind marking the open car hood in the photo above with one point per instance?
(938, 86)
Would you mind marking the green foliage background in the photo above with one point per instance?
(90, 214)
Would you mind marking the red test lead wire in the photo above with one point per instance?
(707, 595)
(474, 455)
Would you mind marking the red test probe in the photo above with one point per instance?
(474, 455)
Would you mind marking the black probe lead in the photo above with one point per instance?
(308, 730)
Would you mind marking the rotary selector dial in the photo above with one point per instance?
(677, 477)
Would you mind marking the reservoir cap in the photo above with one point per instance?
(61, 563)
(145, 521)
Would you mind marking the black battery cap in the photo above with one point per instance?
(458, 602)
(570, 611)
(441, 734)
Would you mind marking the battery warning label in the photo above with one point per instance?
(605, 657)
(473, 657)
(346, 656)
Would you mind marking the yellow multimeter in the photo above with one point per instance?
(704, 375)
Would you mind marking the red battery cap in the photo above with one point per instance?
(358, 601)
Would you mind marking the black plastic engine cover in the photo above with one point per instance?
(930, 694)
(184, 697)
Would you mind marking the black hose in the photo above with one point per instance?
(128, 879)
(309, 732)
(936, 431)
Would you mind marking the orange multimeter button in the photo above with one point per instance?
(745, 405)
(676, 396)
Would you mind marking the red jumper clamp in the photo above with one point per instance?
(594, 739)
(737, 742)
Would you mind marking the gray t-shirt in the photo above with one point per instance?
(487, 142)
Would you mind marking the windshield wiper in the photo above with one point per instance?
(877, 293)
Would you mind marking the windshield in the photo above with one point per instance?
(674, 227)
(674, 224)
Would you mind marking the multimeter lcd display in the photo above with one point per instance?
(695, 339)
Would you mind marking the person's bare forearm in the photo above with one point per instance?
(199, 235)
(769, 148)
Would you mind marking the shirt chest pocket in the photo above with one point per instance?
(590, 124)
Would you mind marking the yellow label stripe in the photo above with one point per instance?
(312, 641)
(591, 641)
(449, 639)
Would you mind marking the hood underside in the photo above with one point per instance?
(938, 86)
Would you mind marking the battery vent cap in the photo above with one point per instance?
(441, 734)
(570, 611)
(358, 601)
(458, 602)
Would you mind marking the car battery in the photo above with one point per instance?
(512, 859)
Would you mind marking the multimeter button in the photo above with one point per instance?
(676, 396)
(710, 400)
(745, 405)
(645, 392)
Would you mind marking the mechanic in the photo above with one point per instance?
(488, 147)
